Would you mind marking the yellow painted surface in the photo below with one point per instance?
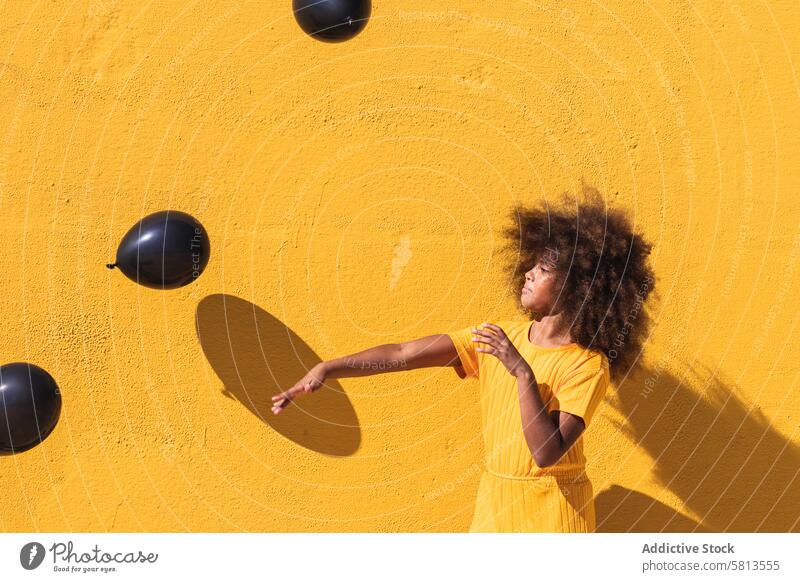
(355, 194)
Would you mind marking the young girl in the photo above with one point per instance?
(583, 274)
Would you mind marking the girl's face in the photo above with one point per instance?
(541, 288)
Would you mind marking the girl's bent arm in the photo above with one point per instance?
(549, 436)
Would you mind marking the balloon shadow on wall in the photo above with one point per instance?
(720, 455)
(256, 356)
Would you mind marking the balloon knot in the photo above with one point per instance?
(111, 265)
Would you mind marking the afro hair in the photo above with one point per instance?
(602, 269)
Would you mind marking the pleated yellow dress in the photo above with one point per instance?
(515, 495)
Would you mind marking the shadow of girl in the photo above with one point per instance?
(720, 455)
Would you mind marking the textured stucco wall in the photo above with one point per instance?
(355, 194)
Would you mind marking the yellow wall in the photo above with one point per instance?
(356, 193)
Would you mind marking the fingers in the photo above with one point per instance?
(280, 396)
(291, 392)
(278, 406)
(482, 332)
(496, 328)
(284, 399)
(484, 339)
(488, 337)
(488, 342)
(492, 347)
(483, 336)
(493, 339)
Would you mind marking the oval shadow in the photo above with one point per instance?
(256, 356)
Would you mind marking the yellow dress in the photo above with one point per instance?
(515, 495)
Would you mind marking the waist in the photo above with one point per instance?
(571, 474)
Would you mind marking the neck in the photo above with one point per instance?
(549, 331)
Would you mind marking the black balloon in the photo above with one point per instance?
(332, 20)
(30, 404)
(165, 250)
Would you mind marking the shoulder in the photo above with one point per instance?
(587, 362)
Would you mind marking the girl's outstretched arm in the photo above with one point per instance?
(426, 352)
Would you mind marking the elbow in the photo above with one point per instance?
(542, 459)
(546, 456)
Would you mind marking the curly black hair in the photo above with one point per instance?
(602, 269)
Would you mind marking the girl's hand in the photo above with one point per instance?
(307, 384)
(498, 344)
